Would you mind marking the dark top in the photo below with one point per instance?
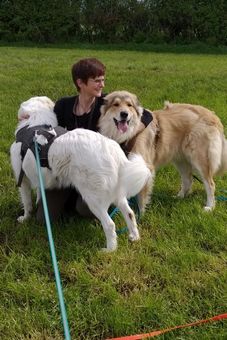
(67, 119)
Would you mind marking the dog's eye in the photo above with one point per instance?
(129, 105)
(116, 104)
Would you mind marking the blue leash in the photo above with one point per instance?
(218, 198)
(222, 197)
(112, 214)
(134, 205)
(133, 202)
(52, 248)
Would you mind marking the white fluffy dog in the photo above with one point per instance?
(95, 165)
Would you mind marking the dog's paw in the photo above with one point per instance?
(134, 237)
(207, 209)
(108, 250)
(22, 219)
(181, 194)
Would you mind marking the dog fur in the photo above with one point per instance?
(190, 136)
(93, 164)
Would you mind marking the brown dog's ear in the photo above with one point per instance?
(137, 105)
(140, 110)
(105, 101)
(103, 106)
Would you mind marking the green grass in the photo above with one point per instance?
(176, 274)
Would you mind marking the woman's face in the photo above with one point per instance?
(93, 87)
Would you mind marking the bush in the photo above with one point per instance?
(114, 20)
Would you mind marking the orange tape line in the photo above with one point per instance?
(155, 333)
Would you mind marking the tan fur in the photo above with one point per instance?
(190, 136)
(115, 103)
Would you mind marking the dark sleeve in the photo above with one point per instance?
(146, 117)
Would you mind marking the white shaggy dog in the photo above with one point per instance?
(95, 165)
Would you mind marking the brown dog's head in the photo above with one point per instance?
(120, 116)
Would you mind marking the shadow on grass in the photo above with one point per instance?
(196, 48)
(74, 237)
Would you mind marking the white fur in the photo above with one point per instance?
(39, 110)
(93, 164)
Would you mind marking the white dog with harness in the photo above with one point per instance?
(95, 165)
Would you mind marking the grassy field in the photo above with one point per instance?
(176, 274)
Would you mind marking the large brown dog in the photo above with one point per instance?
(190, 136)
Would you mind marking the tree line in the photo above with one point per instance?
(146, 21)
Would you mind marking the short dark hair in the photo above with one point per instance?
(87, 68)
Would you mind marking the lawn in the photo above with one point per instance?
(176, 274)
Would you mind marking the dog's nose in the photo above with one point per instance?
(123, 114)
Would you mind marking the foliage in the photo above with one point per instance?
(41, 21)
(114, 21)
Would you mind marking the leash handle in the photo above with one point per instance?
(52, 247)
(163, 331)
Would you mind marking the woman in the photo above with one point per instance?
(80, 111)
(83, 110)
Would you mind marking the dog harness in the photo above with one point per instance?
(26, 137)
(146, 119)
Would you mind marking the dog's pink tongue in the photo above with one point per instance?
(122, 126)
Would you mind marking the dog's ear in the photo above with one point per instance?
(22, 113)
(137, 105)
(44, 101)
(23, 116)
(49, 103)
(103, 106)
(105, 101)
(139, 110)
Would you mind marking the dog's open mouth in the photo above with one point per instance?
(122, 125)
